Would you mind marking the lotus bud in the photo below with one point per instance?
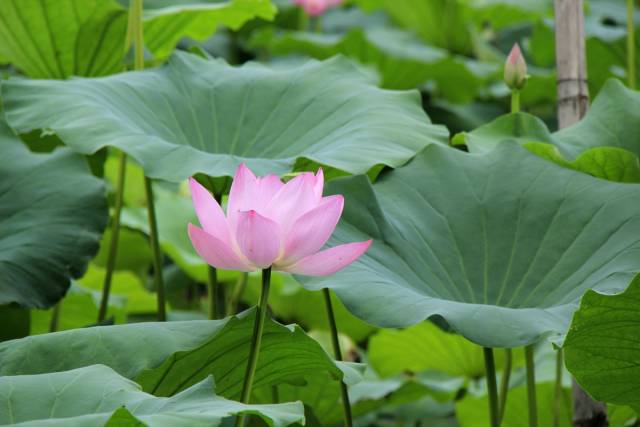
(515, 69)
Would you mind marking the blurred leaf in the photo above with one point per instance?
(292, 303)
(473, 411)
(97, 395)
(424, 347)
(402, 60)
(52, 213)
(134, 252)
(167, 21)
(78, 309)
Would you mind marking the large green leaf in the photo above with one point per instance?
(97, 396)
(195, 115)
(602, 347)
(402, 60)
(52, 212)
(166, 358)
(500, 245)
(59, 39)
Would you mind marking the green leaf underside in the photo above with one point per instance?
(166, 358)
(196, 115)
(64, 38)
(501, 245)
(97, 396)
(52, 214)
(602, 347)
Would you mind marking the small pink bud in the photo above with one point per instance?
(515, 69)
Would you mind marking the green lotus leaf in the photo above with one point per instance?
(60, 39)
(500, 245)
(87, 37)
(425, 347)
(471, 411)
(602, 346)
(613, 120)
(52, 216)
(196, 115)
(591, 146)
(166, 358)
(97, 396)
(402, 60)
(167, 21)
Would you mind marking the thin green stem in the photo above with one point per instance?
(155, 248)
(348, 419)
(515, 101)
(216, 307)
(241, 284)
(55, 317)
(492, 387)
(256, 339)
(136, 33)
(504, 382)
(631, 46)
(115, 235)
(557, 406)
(212, 293)
(531, 385)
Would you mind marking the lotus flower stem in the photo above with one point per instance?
(348, 420)
(115, 234)
(492, 387)
(155, 248)
(504, 382)
(136, 33)
(557, 401)
(55, 317)
(241, 284)
(255, 342)
(631, 47)
(531, 385)
(515, 101)
(212, 293)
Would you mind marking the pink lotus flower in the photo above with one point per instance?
(269, 223)
(316, 7)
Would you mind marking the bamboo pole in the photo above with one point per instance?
(573, 101)
(573, 93)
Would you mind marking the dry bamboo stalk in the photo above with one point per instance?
(573, 101)
(573, 93)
